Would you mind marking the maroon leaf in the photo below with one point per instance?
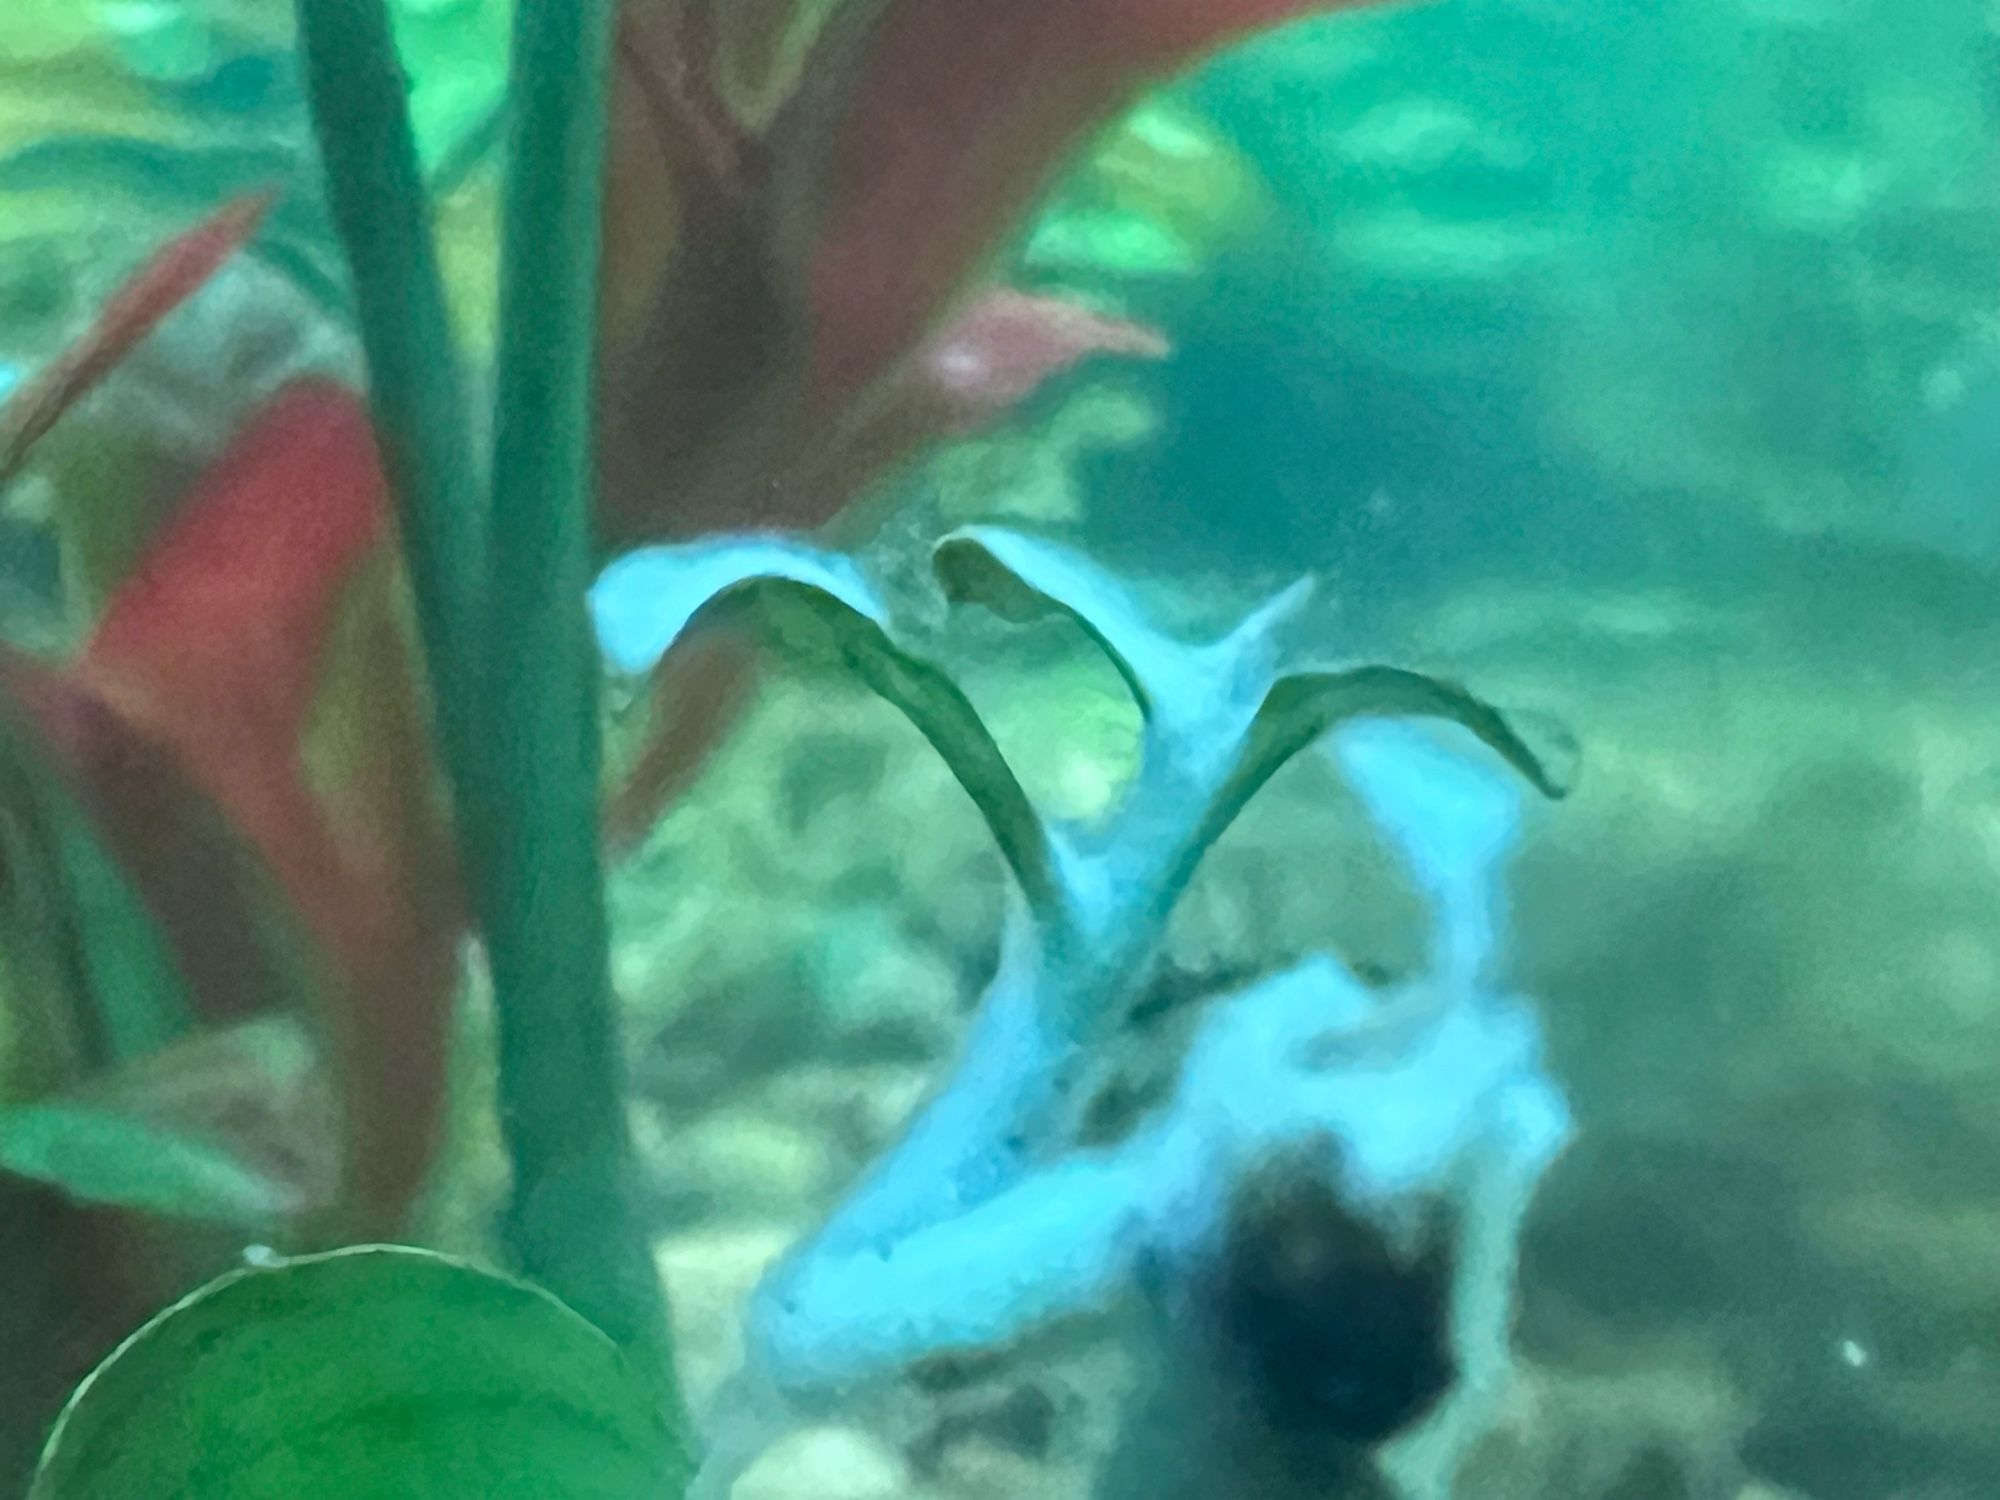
(183, 725)
(786, 249)
(957, 115)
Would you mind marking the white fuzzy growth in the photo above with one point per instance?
(1453, 816)
(1436, 1094)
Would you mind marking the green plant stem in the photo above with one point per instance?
(501, 611)
(572, 1223)
(375, 188)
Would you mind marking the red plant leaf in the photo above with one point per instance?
(1002, 348)
(168, 278)
(216, 645)
(992, 356)
(958, 115)
(193, 694)
(773, 277)
(697, 693)
(214, 639)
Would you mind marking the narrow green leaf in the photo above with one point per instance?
(107, 1158)
(499, 579)
(69, 902)
(1196, 693)
(375, 187)
(1204, 696)
(1302, 706)
(369, 1374)
(232, 1127)
(50, 1023)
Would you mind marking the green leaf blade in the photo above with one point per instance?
(1021, 577)
(107, 1158)
(235, 1128)
(366, 1373)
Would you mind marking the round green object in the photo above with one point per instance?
(364, 1374)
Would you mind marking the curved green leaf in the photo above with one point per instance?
(1022, 578)
(1302, 706)
(109, 1158)
(819, 603)
(1195, 693)
(365, 1374)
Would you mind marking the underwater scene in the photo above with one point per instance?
(996, 749)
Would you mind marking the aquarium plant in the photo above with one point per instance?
(988, 1217)
(343, 709)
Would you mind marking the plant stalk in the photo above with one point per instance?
(416, 392)
(572, 1223)
(500, 589)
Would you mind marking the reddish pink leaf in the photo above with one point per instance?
(215, 645)
(994, 355)
(1000, 350)
(767, 290)
(167, 279)
(657, 59)
(698, 692)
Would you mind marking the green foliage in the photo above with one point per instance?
(1248, 702)
(105, 1156)
(531, 806)
(363, 1375)
(820, 606)
(232, 1127)
(120, 125)
(499, 559)
(1157, 200)
(1218, 719)
(498, 577)
(169, 108)
(79, 943)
